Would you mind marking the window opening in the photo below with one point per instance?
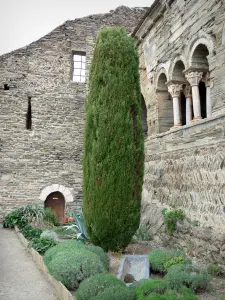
(79, 61)
(29, 115)
(6, 87)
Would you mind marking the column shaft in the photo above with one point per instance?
(196, 102)
(188, 110)
(176, 111)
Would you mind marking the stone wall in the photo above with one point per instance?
(49, 154)
(185, 167)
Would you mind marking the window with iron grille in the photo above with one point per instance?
(79, 61)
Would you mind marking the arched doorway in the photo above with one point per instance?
(200, 62)
(144, 116)
(165, 105)
(56, 202)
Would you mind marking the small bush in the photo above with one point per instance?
(179, 276)
(151, 286)
(137, 284)
(41, 245)
(71, 267)
(15, 218)
(174, 261)
(214, 269)
(50, 217)
(171, 218)
(158, 258)
(183, 294)
(30, 232)
(61, 247)
(65, 233)
(142, 234)
(96, 284)
(49, 234)
(116, 293)
(101, 253)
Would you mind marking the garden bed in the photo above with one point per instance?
(62, 292)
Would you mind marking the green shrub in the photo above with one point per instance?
(179, 276)
(113, 160)
(72, 267)
(159, 258)
(30, 232)
(96, 284)
(183, 294)
(174, 261)
(101, 253)
(63, 247)
(151, 286)
(214, 269)
(171, 218)
(137, 284)
(15, 218)
(116, 293)
(142, 234)
(41, 245)
(49, 234)
(65, 233)
(50, 217)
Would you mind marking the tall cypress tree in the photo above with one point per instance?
(113, 159)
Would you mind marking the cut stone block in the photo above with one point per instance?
(134, 268)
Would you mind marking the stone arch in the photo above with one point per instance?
(165, 104)
(179, 62)
(202, 39)
(199, 61)
(177, 72)
(56, 188)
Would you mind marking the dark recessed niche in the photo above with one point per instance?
(29, 115)
(6, 87)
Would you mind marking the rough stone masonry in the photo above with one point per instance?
(182, 62)
(47, 158)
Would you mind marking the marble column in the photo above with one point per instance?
(174, 90)
(194, 78)
(188, 96)
(206, 79)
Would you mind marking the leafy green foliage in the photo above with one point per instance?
(96, 284)
(174, 261)
(183, 294)
(142, 234)
(30, 232)
(41, 245)
(180, 275)
(15, 218)
(214, 269)
(49, 234)
(65, 233)
(72, 267)
(113, 160)
(101, 253)
(50, 217)
(63, 247)
(116, 293)
(159, 258)
(151, 286)
(171, 218)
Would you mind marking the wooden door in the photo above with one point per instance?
(56, 202)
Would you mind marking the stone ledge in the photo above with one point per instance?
(61, 291)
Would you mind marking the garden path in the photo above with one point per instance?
(19, 277)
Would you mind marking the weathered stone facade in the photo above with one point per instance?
(182, 54)
(37, 162)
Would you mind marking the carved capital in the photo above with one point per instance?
(194, 78)
(175, 89)
(206, 79)
(187, 91)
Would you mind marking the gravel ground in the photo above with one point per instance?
(20, 279)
